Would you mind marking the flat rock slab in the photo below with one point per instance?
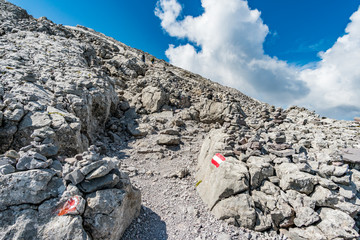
(169, 140)
(107, 181)
(230, 178)
(32, 224)
(33, 186)
(351, 155)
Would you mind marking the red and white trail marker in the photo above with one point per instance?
(217, 159)
(69, 206)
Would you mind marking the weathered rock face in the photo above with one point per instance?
(109, 212)
(49, 88)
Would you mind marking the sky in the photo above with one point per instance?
(298, 52)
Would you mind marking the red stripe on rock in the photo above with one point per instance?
(215, 163)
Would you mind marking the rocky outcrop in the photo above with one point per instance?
(32, 198)
(49, 95)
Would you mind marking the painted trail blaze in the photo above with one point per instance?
(69, 206)
(217, 159)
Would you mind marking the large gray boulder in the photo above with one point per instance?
(153, 98)
(292, 178)
(260, 169)
(109, 212)
(32, 224)
(28, 187)
(337, 224)
(240, 208)
(212, 111)
(311, 232)
(213, 143)
(231, 178)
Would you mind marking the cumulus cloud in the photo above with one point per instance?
(230, 37)
(335, 81)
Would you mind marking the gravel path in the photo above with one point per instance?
(171, 207)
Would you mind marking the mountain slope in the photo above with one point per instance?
(70, 90)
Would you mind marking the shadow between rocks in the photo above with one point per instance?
(147, 226)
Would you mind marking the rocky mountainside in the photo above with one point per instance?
(82, 115)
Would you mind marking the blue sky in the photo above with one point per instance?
(277, 51)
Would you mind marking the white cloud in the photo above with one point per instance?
(231, 36)
(335, 81)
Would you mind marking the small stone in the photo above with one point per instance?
(337, 224)
(344, 180)
(92, 166)
(6, 169)
(283, 153)
(348, 192)
(32, 160)
(75, 177)
(102, 170)
(12, 154)
(71, 161)
(305, 216)
(29, 77)
(351, 155)
(107, 181)
(299, 181)
(170, 132)
(47, 150)
(223, 236)
(14, 115)
(168, 140)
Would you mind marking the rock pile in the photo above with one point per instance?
(64, 89)
(293, 177)
(35, 188)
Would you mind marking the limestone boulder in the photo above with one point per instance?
(337, 224)
(109, 212)
(299, 181)
(324, 197)
(231, 178)
(305, 216)
(292, 178)
(351, 155)
(259, 169)
(311, 232)
(153, 98)
(32, 224)
(240, 208)
(213, 143)
(212, 111)
(169, 140)
(28, 187)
